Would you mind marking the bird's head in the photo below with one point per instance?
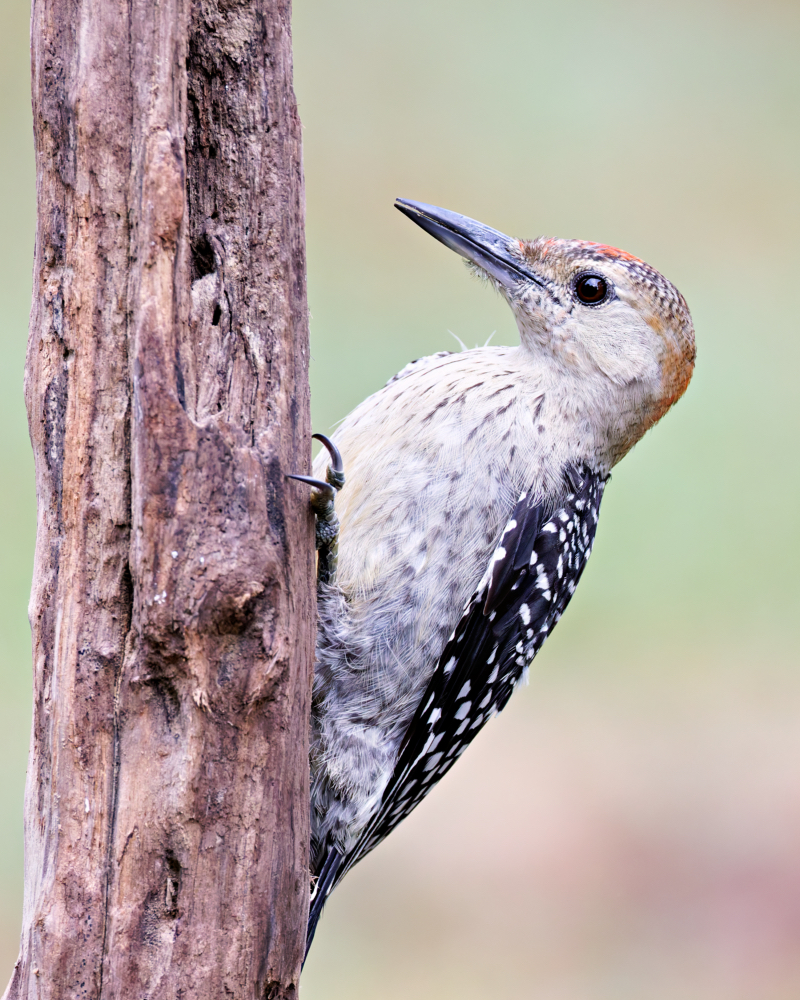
(597, 313)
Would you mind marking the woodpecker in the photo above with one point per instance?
(472, 493)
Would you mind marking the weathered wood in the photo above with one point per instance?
(173, 599)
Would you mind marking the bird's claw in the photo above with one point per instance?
(335, 471)
(322, 503)
(325, 490)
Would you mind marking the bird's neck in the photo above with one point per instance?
(583, 417)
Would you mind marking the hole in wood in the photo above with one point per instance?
(203, 260)
(172, 886)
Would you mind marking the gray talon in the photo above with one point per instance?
(327, 490)
(335, 473)
(322, 503)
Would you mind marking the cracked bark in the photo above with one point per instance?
(166, 816)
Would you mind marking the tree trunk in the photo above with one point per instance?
(166, 823)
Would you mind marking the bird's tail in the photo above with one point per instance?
(325, 883)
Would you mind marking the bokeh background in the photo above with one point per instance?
(629, 828)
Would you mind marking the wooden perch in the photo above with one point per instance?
(166, 816)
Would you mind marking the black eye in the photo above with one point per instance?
(591, 289)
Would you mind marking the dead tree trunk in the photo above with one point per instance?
(166, 823)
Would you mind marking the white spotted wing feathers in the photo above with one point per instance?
(529, 581)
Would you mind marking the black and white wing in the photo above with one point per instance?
(528, 583)
(530, 579)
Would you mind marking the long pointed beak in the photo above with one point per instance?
(486, 247)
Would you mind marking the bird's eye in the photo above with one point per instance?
(591, 289)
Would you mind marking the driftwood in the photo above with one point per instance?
(166, 816)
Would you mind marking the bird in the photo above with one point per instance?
(457, 513)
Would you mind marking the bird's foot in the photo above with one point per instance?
(322, 503)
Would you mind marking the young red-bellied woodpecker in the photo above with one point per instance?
(473, 488)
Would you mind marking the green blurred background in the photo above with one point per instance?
(629, 829)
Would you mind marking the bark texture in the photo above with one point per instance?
(172, 609)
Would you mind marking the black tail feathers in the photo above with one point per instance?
(325, 883)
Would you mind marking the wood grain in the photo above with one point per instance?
(166, 826)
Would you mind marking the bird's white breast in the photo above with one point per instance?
(435, 461)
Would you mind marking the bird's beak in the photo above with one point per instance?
(485, 247)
